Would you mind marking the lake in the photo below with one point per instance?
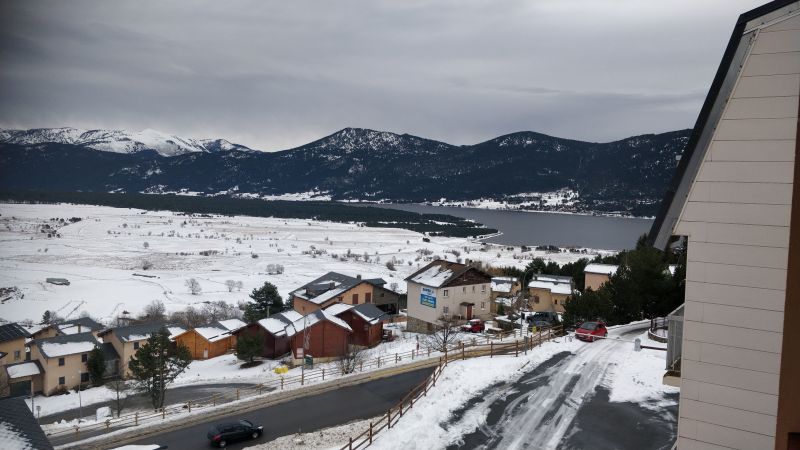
(539, 228)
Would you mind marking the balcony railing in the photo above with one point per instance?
(675, 340)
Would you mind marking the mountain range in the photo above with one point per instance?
(627, 176)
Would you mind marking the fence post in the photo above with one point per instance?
(412, 355)
(516, 348)
(396, 358)
(351, 442)
(370, 432)
(214, 400)
(163, 414)
(491, 349)
(108, 423)
(237, 393)
(281, 382)
(361, 365)
(379, 362)
(429, 351)
(302, 378)
(77, 430)
(136, 418)
(323, 374)
(189, 404)
(260, 385)
(389, 417)
(463, 356)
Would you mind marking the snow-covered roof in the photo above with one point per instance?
(24, 369)
(212, 333)
(232, 324)
(331, 285)
(140, 332)
(338, 308)
(333, 293)
(503, 284)
(434, 276)
(603, 269)
(369, 312)
(556, 288)
(291, 314)
(68, 344)
(311, 319)
(19, 429)
(11, 331)
(79, 325)
(277, 323)
(505, 301)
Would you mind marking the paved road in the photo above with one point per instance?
(180, 394)
(562, 404)
(306, 414)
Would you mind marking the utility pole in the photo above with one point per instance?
(80, 402)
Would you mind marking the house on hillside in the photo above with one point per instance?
(272, 333)
(63, 360)
(74, 326)
(549, 292)
(596, 275)
(12, 342)
(444, 288)
(736, 199)
(505, 288)
(335, 287)
(127, 340)
(19, 429)
(365, 320)
(210, 341)
(319, 334)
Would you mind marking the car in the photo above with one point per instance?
(591, 331)
(473, 326)
(223, 433)
(540, 325)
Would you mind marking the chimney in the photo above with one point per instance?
(358, 277)
(332, 285)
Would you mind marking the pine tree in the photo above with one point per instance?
(157, 364)
(248, 347)
(266, 301)
(96, 364)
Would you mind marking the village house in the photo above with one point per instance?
(12, 342)
(211, 341)
(63, 360)
(504, 290)
(364, 320)
(549, 292)
(596, 275)
(338, 288)
(20, 379)
(74, 326)
(734, 346)
(447, 289)
(127, 340)
(271, 331)
(320, 335)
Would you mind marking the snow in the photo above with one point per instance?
(22, 370)
(337, 308)
(325, 296)
(212, 334)
(174, 331)
(604, 269)
(556, 288)
(310, 319)
(232, 324)
(13, 439)
(638, 376)
(333, 438)
(273, 325)
(53, 349)
(63, 402)
(503, 284)
(101, 253)
(139, 447)
(435, 276)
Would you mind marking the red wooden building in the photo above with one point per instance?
(272, 332)
(319, 334)
(365, 320)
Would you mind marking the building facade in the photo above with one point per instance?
(596, 275)
(63, 360)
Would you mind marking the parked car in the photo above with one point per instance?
(223, 433)
(550, 317)
(473, 326)
(540, 325)
(590, 331)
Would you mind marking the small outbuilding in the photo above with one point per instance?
(211, 341)
(272, 333)
(319, 334)
(366, 321)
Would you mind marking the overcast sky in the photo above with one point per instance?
(276, 74)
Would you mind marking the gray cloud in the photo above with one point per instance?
(272, 75)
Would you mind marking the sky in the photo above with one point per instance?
(273, 75)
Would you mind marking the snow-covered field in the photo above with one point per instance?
(104, 254)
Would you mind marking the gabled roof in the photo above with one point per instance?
(79, 325)
(23, 369)
(330, 286)
(311, 319)
(368, 312)
(338, 308)
(440, 273)
(19, 430)
(603, 269)
(276, 324)
(554, 283)
(67, 344)
(231, 324)
(12, 331)
(710, 114)
(143, 331)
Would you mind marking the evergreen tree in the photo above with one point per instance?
(248, 347)
(96, 364)
(266, 301)
(157, 364)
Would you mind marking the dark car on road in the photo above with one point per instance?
(223, 433)
(591, 331)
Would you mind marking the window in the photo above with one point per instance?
(85, 377)
(483, 288)
(60, 361)
(355, 299)
(445, 309)
(555, 302)
(61, 380)
(17, 355)
(535, 299)
(483, 305)
(84, 357)
(464, 289)
(444, 294)
(368, 297)
(136, 346)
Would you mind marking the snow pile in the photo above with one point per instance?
(13, 439)
(64, 402)
(637, 376)
(326, 438)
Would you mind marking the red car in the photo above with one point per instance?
(473, 326)
(590, 331)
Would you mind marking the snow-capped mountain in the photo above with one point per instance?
(118, 141)
(627, 176)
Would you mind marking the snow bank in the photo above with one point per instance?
(637, 376)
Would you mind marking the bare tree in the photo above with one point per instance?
(146, 244)
(147, 265)
(155, 311)
(193, 286)
(447, 334)
(220, 310)
(239, 285)
(120, 388)
(230, 284)
(352, 358)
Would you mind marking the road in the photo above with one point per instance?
(306, 414)
(563, 404)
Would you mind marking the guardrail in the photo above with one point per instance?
(137, 418)
(461, 352)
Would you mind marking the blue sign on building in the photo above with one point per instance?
(428, 297)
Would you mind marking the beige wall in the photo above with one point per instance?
(593, 281)
(16, 345)
(125, 351)
(71, 369)
(348, 297)
(548, 301)
(737, 222)
(479, 294)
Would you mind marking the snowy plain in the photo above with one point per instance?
(104, 254)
